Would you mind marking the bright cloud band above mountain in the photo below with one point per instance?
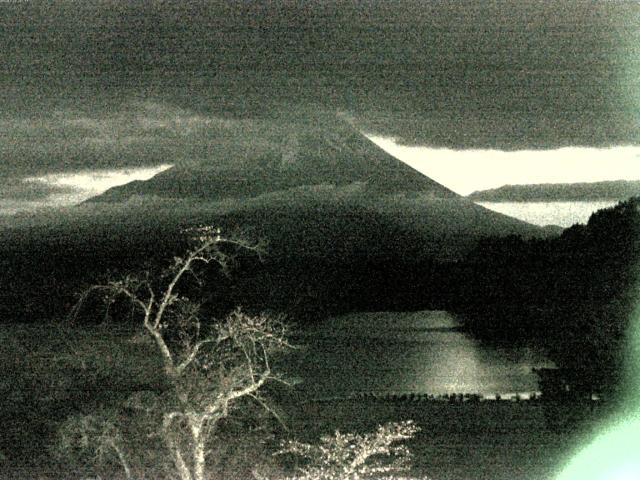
(466, 171)
(51, 160)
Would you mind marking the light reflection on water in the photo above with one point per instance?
(563, 214)
(396, 352)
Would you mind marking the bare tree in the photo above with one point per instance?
(209, 366)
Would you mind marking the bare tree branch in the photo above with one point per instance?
(208, 372)
(270, 410)
(193, 354)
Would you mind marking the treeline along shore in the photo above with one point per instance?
(573, 295)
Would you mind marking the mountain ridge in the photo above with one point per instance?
(346, 225)
(316, 176)
(338, 155)
(549, 192)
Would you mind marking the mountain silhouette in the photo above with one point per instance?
(347, 226)
(315, 155)
(318, 186)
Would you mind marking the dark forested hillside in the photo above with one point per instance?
(573, 294)
(325, 250)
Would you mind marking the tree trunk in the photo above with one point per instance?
(123, 460)
(181, 466)
(174, 448)
(199, 462)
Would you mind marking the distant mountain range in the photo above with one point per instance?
(556, 192)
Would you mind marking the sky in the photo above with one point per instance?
(105, 85)
(30, 194)
(466, 171)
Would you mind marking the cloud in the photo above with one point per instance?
(65, 189)
(91, 183)
(465, 171)
(21, 189)
(505, 75)
(130, 134)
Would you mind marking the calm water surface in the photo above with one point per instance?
(563, 214)
(395, 352)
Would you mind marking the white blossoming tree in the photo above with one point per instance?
(347, 456)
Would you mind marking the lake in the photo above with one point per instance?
(563, 214)
(396, 352)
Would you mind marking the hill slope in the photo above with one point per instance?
(556, 192)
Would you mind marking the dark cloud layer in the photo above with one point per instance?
(131, 134)
(501, 74)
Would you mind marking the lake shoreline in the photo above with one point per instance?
(409, 353)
